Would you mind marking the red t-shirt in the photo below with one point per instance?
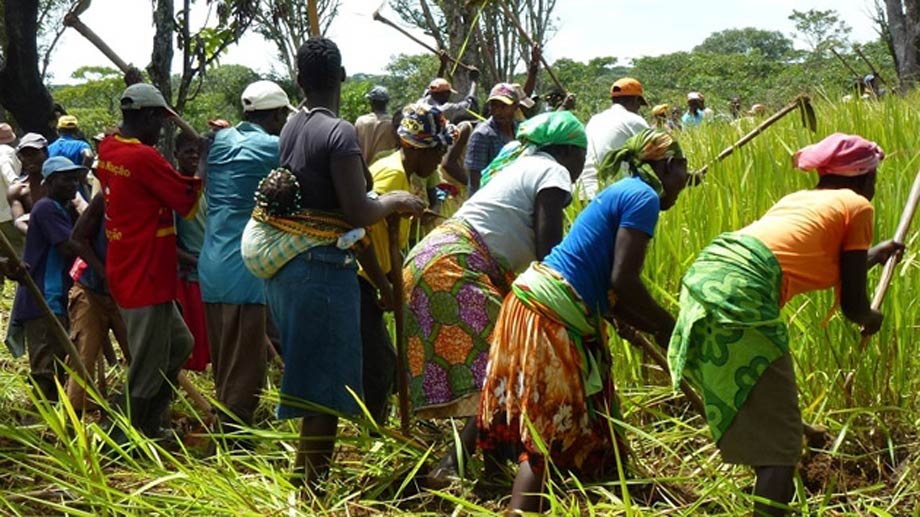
(141, 191)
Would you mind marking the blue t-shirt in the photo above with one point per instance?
(691, 120)
(69, 147)
(585, 257)
(50, 224)
(238, 159)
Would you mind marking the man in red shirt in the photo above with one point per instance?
(141, 192)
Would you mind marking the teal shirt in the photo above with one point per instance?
(190, 236)
(238, 159)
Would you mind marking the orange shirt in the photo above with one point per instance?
(808, 230)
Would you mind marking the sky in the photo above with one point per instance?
(585, 29)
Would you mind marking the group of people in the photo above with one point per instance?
(288, 229)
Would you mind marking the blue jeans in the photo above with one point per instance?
(315, 303)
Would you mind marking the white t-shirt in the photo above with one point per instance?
(608, 130)
(502, 211)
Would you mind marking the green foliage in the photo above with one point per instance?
(353, 103)
(408, 76)
(821, 29)
(95, 102)
(589, 81)
(771, 44)
(220, 96)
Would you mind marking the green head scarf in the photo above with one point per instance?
(553, 128)
(648, 146)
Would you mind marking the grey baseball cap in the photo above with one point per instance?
(143, 95)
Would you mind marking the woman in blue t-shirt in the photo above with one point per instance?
(549, 359)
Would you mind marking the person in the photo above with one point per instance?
(609, 130)
(439, 91)
(189, 239)
(735, 107)
(549, 359)
(376, 129)
(660, 114)
(696, 106)
(238, 159)
(456, 278)
(141, 191)
(314, 297)
(91, 309)
(871, 88)
(424, 136)
(69, 144)
(732, 295)
(32, 152)
(758, 111)
(9, 164)
(490, 136)
(10, 169)
(49, 255)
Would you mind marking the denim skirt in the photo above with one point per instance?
(315, 303)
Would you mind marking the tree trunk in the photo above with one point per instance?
(161, 63)
(904, 30)
(22, 92)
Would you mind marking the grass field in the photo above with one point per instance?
(52, 463)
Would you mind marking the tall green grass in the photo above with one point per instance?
(869, 466)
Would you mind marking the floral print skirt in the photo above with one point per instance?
(453, 289)
(534, 394)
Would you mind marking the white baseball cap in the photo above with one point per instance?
(264, 95)
(694, 96)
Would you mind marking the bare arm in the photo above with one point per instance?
(634, 304)
(359, 210)
(532, 70)
(854, 303)
(453, 160)
(547, 224)
(84, 232)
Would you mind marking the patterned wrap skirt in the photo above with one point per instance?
(549, 387)
(453, 291)
(728, 334)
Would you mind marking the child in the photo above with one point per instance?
(190, 237)
(49, 254)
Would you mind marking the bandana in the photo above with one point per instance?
(553, 128)
(424, 127)
(648, 146)
(841, 155)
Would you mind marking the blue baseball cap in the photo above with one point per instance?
(57, 164)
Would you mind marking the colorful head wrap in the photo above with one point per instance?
(648, 146)
(424, 127)
(553, 128)
(839, 154)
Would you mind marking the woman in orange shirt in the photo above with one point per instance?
(729, 337)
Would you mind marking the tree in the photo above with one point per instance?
(479, 33)
(903, 29)
(286, 24)
(200, 48)
(772, 44)
(821, 30)
(50, 12)
(22, 91)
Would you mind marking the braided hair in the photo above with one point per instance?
(278, 194)
(319, 65)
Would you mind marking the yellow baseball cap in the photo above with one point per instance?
(67, 122)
